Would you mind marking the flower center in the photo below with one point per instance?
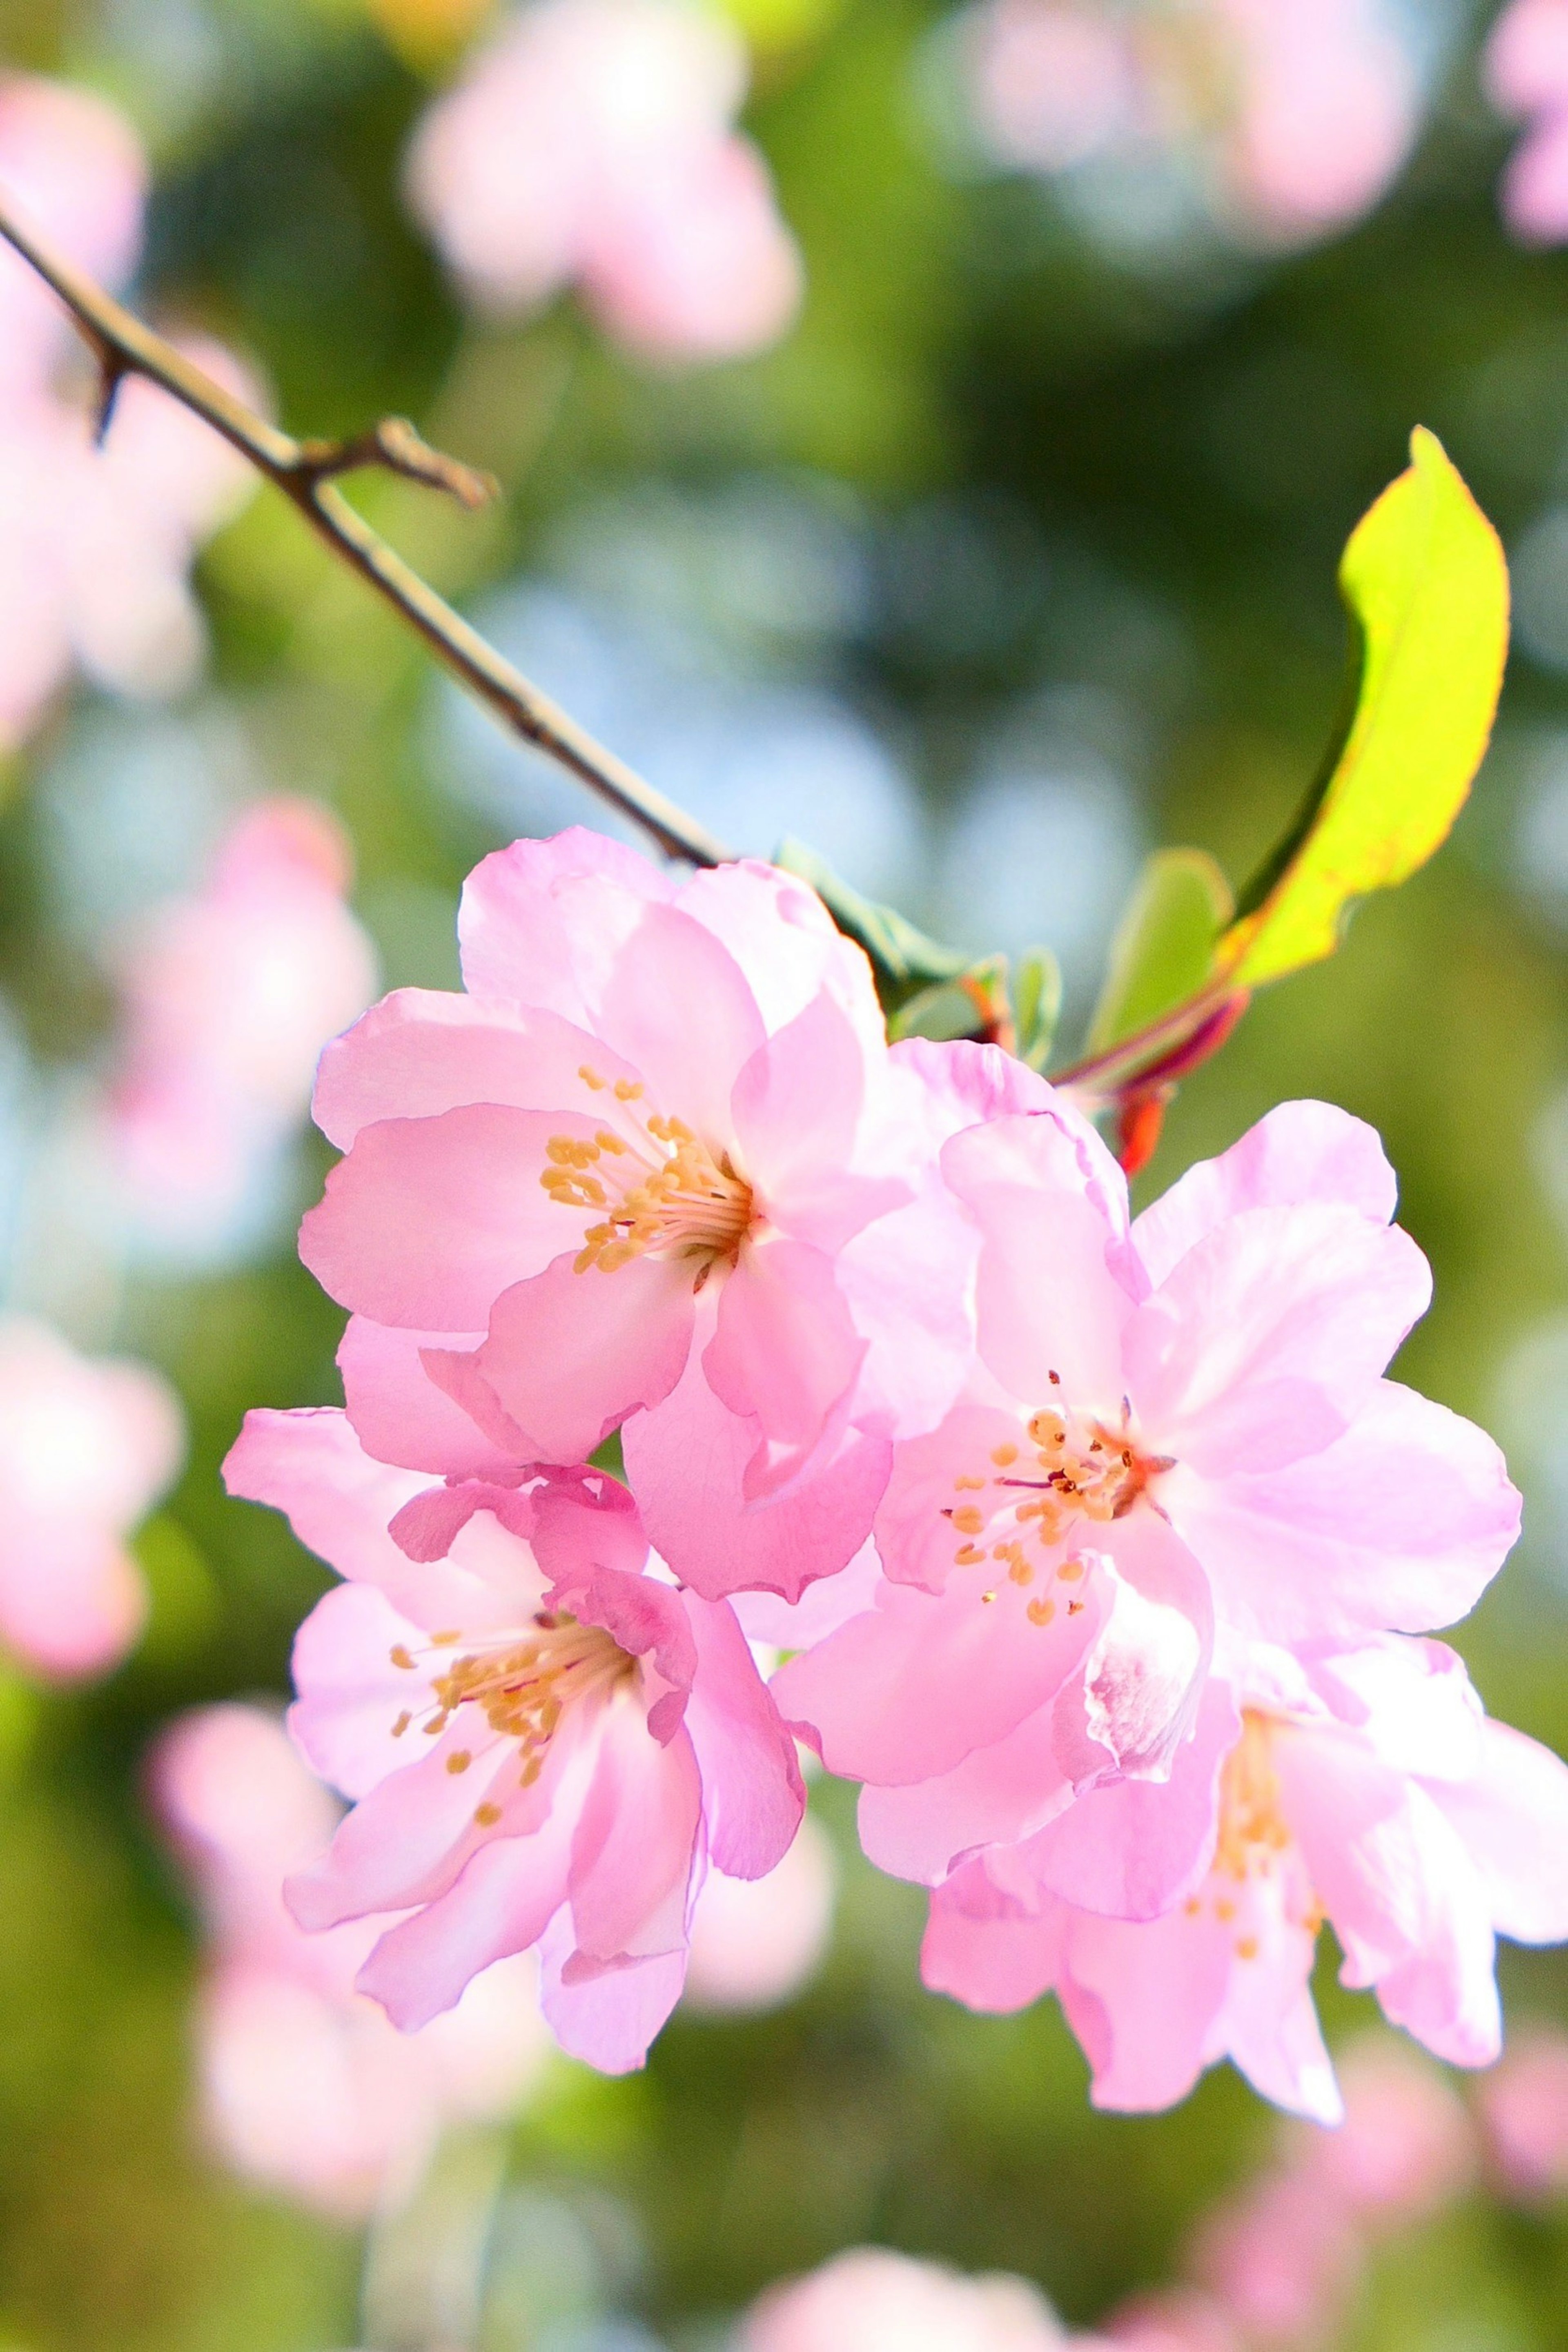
(1257, 1870)
(657, 1187)
(1252, 1826)
(1072, 1468)
(524, 1681)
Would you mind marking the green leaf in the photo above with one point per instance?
(1425, 584)
(906, 960)
(1036, 1005)
(1164, 944)
(965, 1007)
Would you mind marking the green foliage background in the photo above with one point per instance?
(1161, 467)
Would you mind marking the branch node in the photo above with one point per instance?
(395, 445)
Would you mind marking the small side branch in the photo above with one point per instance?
(305, 472)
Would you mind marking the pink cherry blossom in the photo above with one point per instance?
(86, 1448)
(590, 144)
(586, 1738)
(656, 1163)
(1367, 1787)
(1181, 2319)
(1526, 76)
(878, 2300)
(227, 998)
(755, 1942)
(1524, 2114)
(1174, 1421)
(1292, 115)
(306, 2087)
(97, 541)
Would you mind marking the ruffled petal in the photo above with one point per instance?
(398, 1412)
(1268, 1338)
(907, 1691)
(1402, 1522)
(428, 1221)
(540, 922)
(688, 1460)
(1297, 1151)
(752, 1793)
(568, 1355)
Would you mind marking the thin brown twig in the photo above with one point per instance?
(304, 471)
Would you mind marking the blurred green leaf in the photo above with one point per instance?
(1036, 1005)
(1164, 943)
(906, 960)
(977, 1001)
(1425, 584)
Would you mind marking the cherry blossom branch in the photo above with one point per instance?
(305, 472)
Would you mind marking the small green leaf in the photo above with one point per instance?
(965, 1007)
(1164, 943)
(1036, 1005)
(1425, 584)
(905, 958)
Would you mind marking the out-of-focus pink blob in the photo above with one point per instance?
(1182, 2319)
(86, 1447)
(306, 2087)
(228, 1000)
(1324, 114)
(96, 542)
(591, 143)
(1406, 2147)
(1282, 2259)
(75, 167)
(1294, 115)
(1526, 72)
(756, 1941)
(1524, 2113)
(1054, 85)
(879, 2301)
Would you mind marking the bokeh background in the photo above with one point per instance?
(1010, 560)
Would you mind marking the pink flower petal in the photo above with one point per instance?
(746, 1756)
(1402, 1521)
(399, 1413)
(428, 1220)
(1297, 1151)
(907, 1691)
(541, 921)
(570, 1355)
(1267, 1338)
(715, 1540)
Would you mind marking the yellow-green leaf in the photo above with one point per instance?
(1426, 588)
(1164, 943)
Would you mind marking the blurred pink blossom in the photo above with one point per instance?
(1524, 2112)
(1292, 115)
(1179, 2319)
(1526, 76)
(1282, 2260)
(875, 2301)
(227, 998)
(755, 1942)
(306, 2087)
(96, 543)
(590, 144)
(86, 1447)
(1406, 2148)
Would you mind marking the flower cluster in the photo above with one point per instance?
(1105, 1555)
